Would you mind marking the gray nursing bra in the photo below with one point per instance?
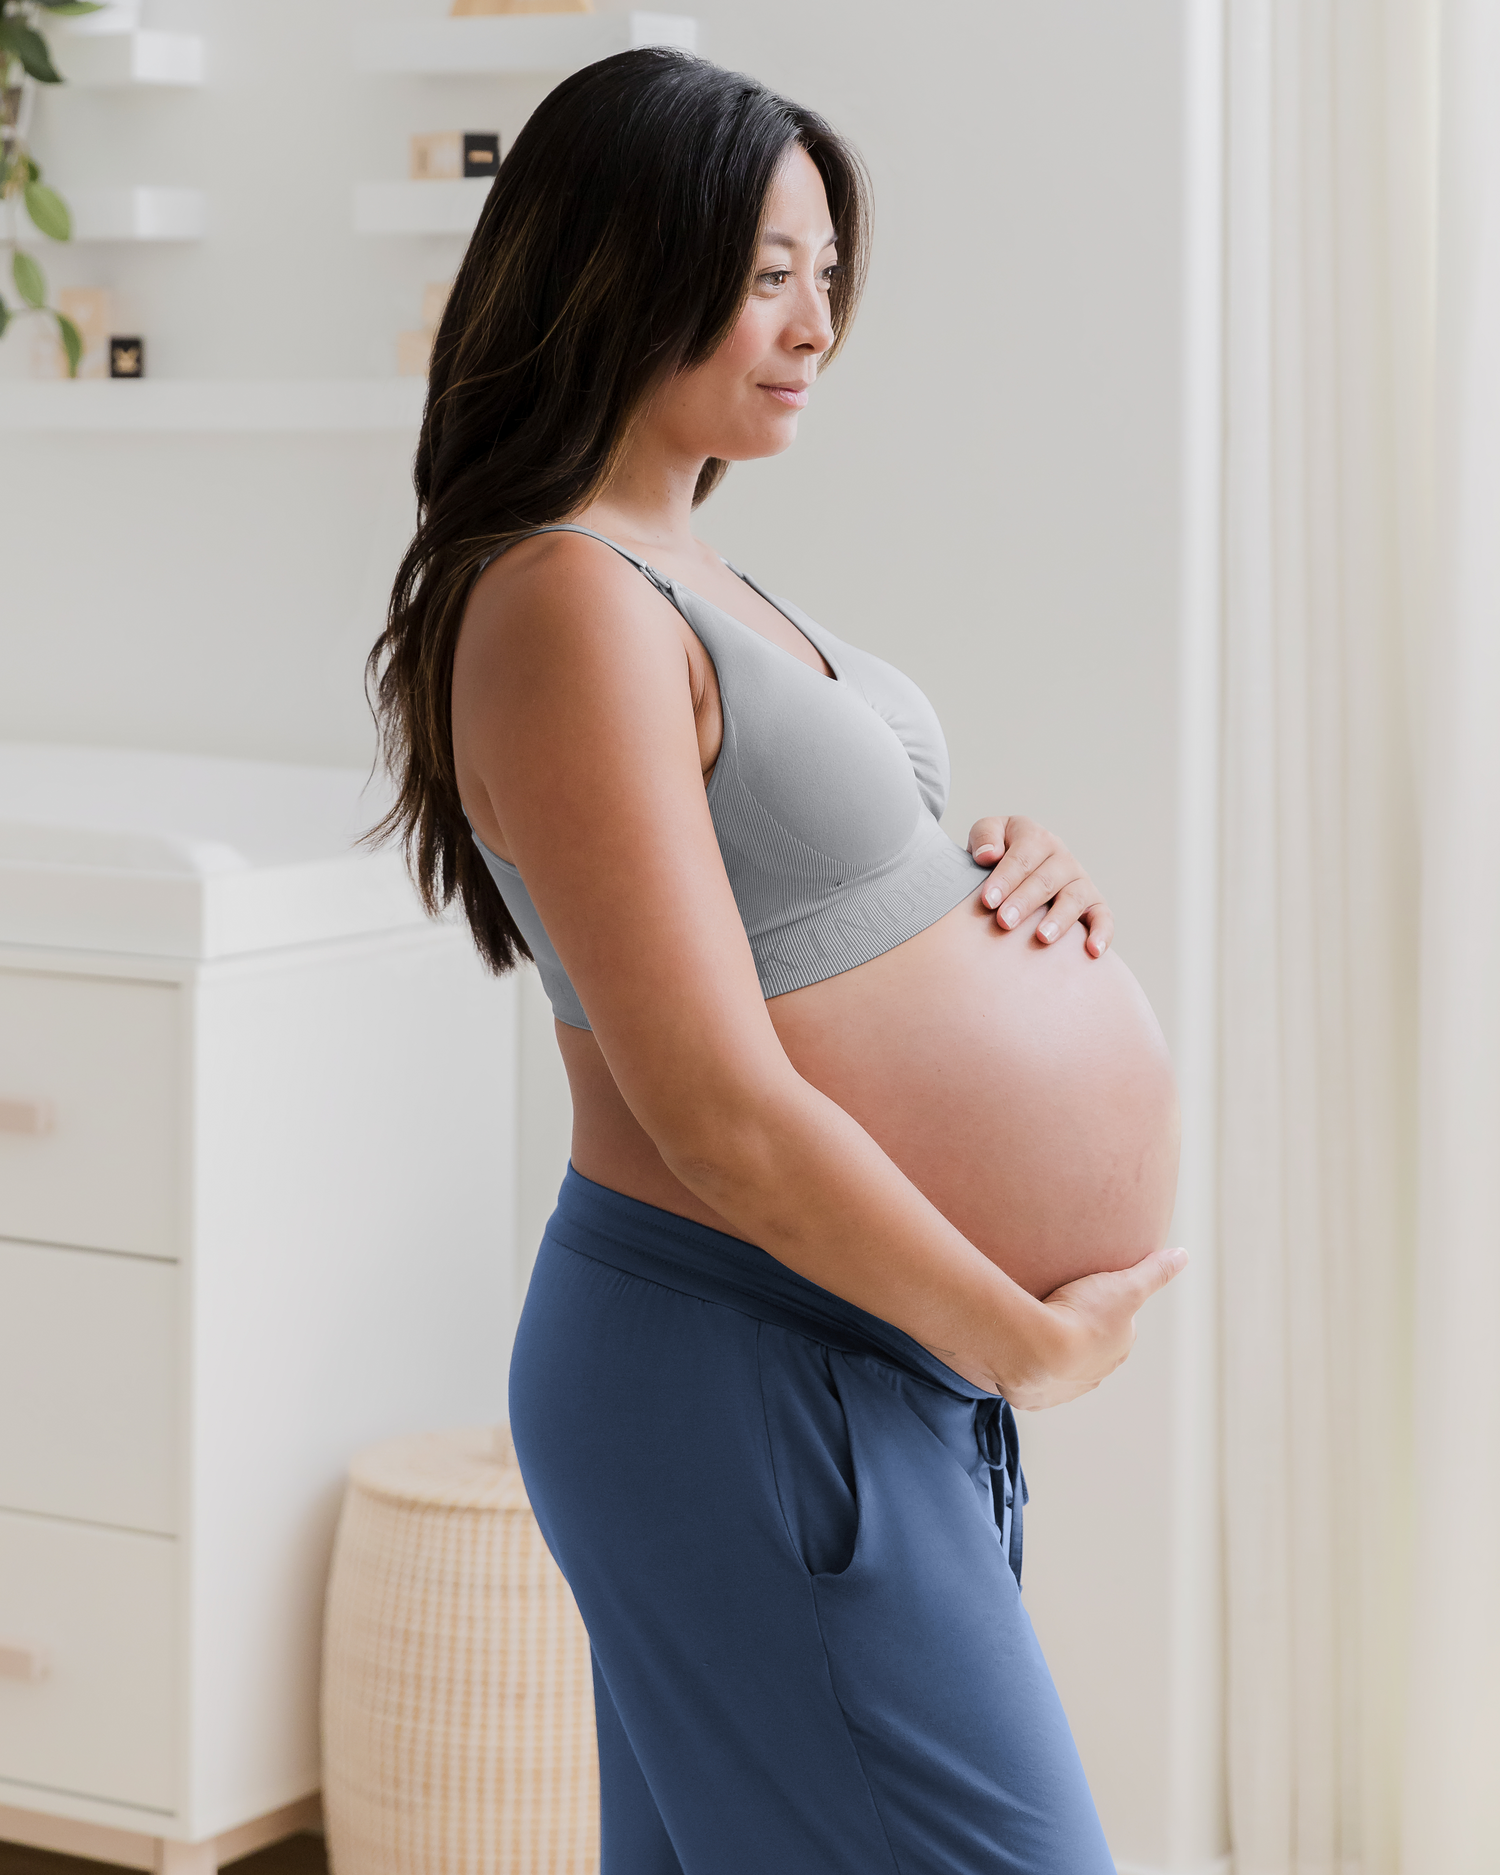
(825, 801)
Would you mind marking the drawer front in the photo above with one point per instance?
(87, 1663)
(89, 1072)
(88, 1386)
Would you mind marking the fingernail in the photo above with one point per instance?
(1047, 932)
(980, 851)
(1010, 917)
(1103, 947)
(1176, 1259)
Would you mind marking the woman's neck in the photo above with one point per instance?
(649, 499)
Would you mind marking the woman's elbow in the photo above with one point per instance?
(727, 1143)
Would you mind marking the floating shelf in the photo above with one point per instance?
(450, 207)
(142, 213)
(210, 407)
(515, 42)
(101, 60)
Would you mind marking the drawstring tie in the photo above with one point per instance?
(1000, 1448)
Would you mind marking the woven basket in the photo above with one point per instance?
(458, 1707)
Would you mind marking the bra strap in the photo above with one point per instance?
(569, 527)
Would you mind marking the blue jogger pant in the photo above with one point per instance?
(794, 1537)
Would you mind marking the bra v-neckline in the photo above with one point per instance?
(836, 677)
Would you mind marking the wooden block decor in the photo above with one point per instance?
(445, 155)
(127, 358)
(414, 349)
(437, 156)
(481, 152)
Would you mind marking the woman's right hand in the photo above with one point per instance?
(1091, 1330)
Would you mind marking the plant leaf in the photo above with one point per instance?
(30, 281)
(4, 317)
(72, 340)
(70, 9)
(48, 211)
(31, 49)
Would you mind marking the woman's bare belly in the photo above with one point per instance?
(1026, 1091)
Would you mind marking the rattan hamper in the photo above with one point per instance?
(458, 1709)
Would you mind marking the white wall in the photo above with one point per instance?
(987, 492)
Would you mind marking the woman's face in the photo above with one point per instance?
(744, 400)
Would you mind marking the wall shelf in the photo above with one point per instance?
(143, 212)
(445, 207)
(329, 406)
(108, 60)
(515, 42)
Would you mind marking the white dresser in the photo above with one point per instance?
(256, 1211)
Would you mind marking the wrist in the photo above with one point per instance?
(1034, 1354)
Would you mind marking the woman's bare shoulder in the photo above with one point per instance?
(557, 633)
(557, 580)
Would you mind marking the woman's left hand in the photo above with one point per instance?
(1032, 868)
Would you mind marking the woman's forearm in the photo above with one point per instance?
(795, 1174)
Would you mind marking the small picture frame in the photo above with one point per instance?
(90, 309)
(481, 152)
(127, 358)
(437, 156)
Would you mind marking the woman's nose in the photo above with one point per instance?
(812, 329)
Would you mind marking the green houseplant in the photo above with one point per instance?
(25, 62)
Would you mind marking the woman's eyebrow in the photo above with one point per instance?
(774, 238)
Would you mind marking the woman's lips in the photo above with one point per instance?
(794, 395)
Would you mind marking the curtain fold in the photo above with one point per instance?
(1318, 921)
(1452, 1824)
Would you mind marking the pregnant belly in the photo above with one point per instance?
(1026, 1091)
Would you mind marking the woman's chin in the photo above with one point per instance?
(771, 439)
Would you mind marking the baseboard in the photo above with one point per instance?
(62, 1835)
(98, 1842)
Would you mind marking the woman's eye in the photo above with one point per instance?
(777, 277)
(829, 275)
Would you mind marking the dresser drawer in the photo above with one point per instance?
(88, 1386)
(89, 1111)
(89, 1615)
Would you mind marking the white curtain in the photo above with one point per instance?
(1452, 1824)
(1360, 895)
(1317, 1045)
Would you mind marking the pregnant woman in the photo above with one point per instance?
(874, 1138)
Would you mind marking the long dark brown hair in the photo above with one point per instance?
(615, 249)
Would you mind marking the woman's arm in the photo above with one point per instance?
(573, 706)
